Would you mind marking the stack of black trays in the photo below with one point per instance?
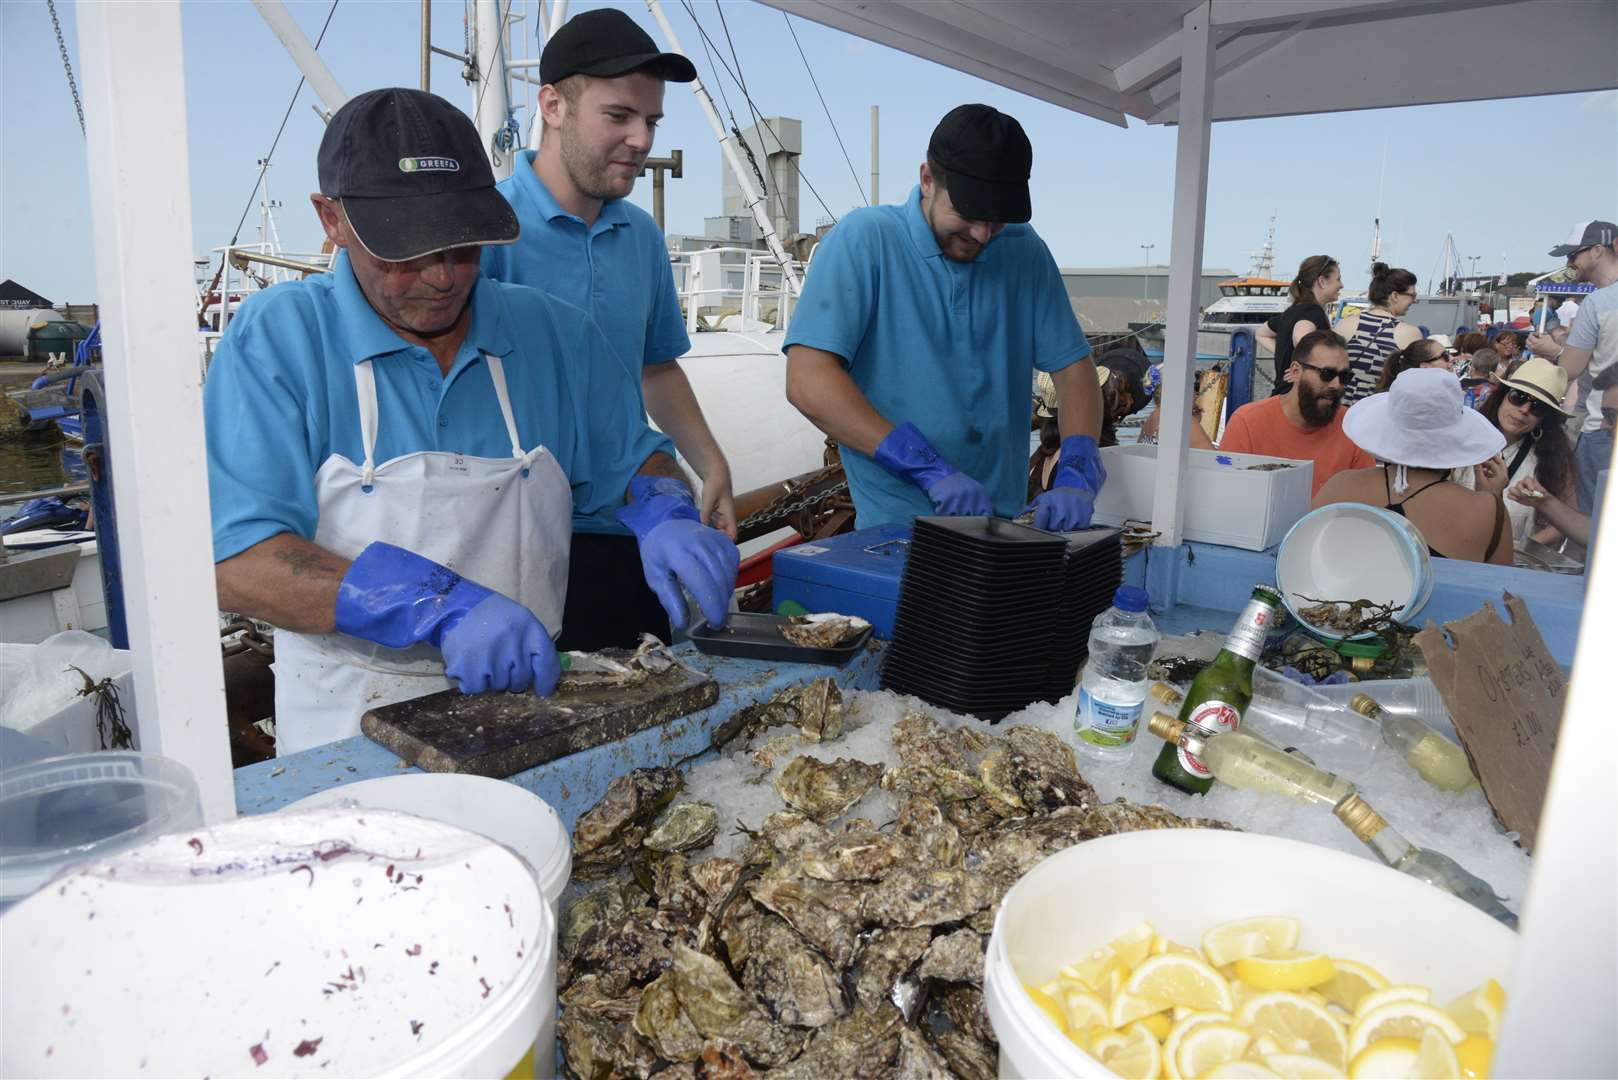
(994, 616)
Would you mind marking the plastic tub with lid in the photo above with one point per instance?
(333, 942)
(1351, 551)
(59, 811)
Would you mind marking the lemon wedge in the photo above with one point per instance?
(1133, 945)
(1378, 998)
(1241, 938)
(1399, 1019)
(1180, 979)
(1351, 983)
(1138, 1057)
(1158, 1024)
(1183, 1024)
(1291, 970)
(1478, 1012)
(1082, 1010)
(1297, 1025)
(1047, 1006)
(1126, 1008)
(1474, 1054)
(1383, 1059)
(1207, 1046)
(1436, 1059)
(1092, 970)
(1301, 1067)
(1103, 1043)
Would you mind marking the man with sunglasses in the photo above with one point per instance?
(1305, 423)
(1591, 251)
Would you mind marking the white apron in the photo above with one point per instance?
(504, 523)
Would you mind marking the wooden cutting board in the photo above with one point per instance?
(501, 734)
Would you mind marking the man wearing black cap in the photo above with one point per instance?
(918, 331)
(583, 242)
(395, 448)
(1591, 251)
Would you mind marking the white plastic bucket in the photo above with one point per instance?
(1351, 551)
(1184, 881)
(335, 942)
(503, 812)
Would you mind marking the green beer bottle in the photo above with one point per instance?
(1220, 693)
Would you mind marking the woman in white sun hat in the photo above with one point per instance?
(1428, 441)
(1527, 408)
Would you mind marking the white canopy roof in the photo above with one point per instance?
(1116, 58)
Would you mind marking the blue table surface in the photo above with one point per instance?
(1193, 587)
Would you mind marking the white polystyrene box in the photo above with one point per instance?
(1226, 501)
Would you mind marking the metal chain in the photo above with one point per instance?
(67, 65)
(775, 511)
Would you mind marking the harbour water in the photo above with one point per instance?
(33, 462)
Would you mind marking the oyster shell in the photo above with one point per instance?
(860, 1046)
(933, 838)
(604, 904)
(612, 828)
(865, 855)
(1121, 816)
(824, 630)
(824, 790)
(826, 915)
(954, 958)
(687, 826)
(722, 1059)
(718, 1008)
(788, 832)
(965, 1008)
(968, 1058)
(911, 896)
(794, 981)
(885, 957)
(918, 1060)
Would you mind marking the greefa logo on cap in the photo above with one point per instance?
(429, 164)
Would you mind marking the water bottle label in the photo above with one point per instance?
(1102, 723)
(1212, 717)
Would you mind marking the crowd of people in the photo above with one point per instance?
(1488, 443)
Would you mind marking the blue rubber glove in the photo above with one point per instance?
(397, 598)
(677, 549)
(907, 454)
(1071, 501)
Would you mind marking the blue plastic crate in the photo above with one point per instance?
(857, 573)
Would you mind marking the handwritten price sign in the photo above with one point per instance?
(1505, 694)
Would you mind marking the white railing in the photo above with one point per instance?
(726, 281)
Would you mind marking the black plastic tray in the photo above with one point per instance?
(757, 636)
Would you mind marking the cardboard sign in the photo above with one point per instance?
(1505, 694)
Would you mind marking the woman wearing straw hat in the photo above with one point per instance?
(1527, 409)
(1428, 441)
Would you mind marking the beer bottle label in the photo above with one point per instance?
(1212, 717)
(1247, 636)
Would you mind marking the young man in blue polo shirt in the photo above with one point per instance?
(584, 243)
(395, 449)
(915, 340)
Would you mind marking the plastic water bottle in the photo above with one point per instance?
(1122, 641)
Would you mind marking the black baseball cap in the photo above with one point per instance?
(1586, 234)
(412, 175)
(987, 160)
(607, 43)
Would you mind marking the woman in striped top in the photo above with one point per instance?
(1376, 333)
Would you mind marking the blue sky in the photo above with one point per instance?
(1099, 192)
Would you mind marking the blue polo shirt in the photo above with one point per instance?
(949, 346)
(280, 399)
(617, 269)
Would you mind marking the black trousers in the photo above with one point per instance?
(608, 600)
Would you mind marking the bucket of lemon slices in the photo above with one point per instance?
(1184, 953)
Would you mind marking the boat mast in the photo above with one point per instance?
(491, 105)
(1264, 261)
(727, 145)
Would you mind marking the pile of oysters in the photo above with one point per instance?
(832, 946)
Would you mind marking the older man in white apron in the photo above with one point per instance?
(396, 448)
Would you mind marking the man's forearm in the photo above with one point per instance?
(661, 464)
(673, 407)
(286, 581)
(818, 387)
(1573, 360)
(1565, 519)
(1078, 399)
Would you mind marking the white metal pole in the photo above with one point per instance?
(140, 203)
(1185, 271)
(727, 145)
(1566, 963)
(558, 17)
(297, 45)
(876, 172)
(489, 99)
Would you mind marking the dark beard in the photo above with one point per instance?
(1317, 410)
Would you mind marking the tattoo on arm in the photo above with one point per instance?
(302, 563)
